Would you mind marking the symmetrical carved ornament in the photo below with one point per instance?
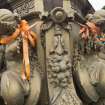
(59, 74)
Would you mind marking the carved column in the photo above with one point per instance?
(58, 60)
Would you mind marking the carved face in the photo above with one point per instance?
(7, 22)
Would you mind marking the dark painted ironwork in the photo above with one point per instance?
(4, 4)
(51, 4)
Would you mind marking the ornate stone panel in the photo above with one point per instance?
(59, 74)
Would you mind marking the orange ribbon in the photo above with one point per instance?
(89, 27)
(27, 36)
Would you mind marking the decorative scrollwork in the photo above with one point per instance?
(59, 62)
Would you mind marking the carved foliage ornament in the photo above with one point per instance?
(59, 62)
(60, 82)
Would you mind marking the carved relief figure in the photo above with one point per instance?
(18, 85)
(60, 65)
(89, 60)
